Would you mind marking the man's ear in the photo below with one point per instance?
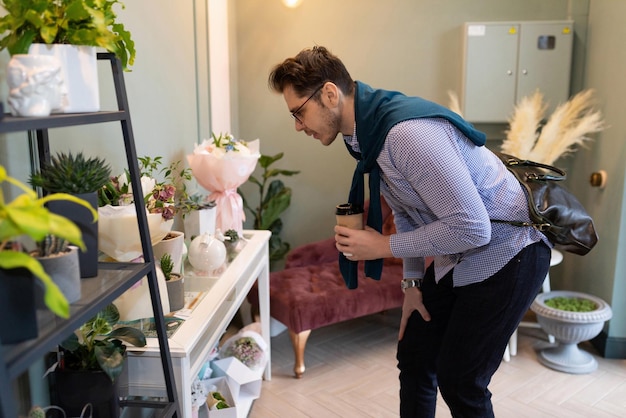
(331, 94)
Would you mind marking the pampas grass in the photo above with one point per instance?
(568, 127)
(523, 126)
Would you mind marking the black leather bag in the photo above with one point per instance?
(553, 210)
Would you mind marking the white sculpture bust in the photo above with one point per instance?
(35, 85)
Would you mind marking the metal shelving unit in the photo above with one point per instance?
(113, 278)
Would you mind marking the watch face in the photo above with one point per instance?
(407, 284)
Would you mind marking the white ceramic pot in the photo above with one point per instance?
(570, 328)
(173, 244)
(197, 222)
(35, 85)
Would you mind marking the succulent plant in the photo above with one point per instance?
(51, 245)
(74, 174)
(167, 265)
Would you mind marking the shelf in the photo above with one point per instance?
(113, 279)
(16, 124)
(97, 292)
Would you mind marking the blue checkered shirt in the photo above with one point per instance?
(443, 191)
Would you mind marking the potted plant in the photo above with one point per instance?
(83, 177)
(118, 216)
(231, 241)
(118, 233)
(571, 317)
(70, 31)
(92, 360)
(75, 22)
(198, 215)
(274, 199)
(27, 216)
(175, 283)
(61, 261)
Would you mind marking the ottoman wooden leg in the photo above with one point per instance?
(298, 340)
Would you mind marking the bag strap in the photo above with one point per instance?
(512, 162)
(538, 226)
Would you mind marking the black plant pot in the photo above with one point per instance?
(17, 306)
(84, 220)
(73, 389)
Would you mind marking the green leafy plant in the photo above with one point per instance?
(98, 344)
(175, 174)
(27, 216)
(274, 199)
(75, 22)
(69, 173)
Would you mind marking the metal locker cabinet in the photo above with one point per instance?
(506, 61)
(545, 59)
(490, 69)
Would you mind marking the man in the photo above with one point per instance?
(444, 187)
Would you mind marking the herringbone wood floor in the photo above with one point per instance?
(351, 372)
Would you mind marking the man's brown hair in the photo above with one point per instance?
(309, 70)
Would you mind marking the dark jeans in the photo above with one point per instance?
(463, 344)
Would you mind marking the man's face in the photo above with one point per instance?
(314, 118)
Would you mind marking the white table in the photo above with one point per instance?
(192, 342)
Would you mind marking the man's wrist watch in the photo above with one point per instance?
(408, 283)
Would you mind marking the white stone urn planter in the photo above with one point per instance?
(570, 328)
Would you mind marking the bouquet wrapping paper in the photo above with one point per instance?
(221, 171)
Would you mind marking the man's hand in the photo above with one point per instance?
(362, 244)
(412, 302)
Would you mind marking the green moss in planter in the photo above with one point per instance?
(571, 304)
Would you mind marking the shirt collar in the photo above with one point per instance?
(351, 140)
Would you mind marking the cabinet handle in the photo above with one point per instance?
(525, 72)
(509, 72)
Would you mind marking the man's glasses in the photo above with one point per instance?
(295, 113)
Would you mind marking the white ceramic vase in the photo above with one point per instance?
(570, 328)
